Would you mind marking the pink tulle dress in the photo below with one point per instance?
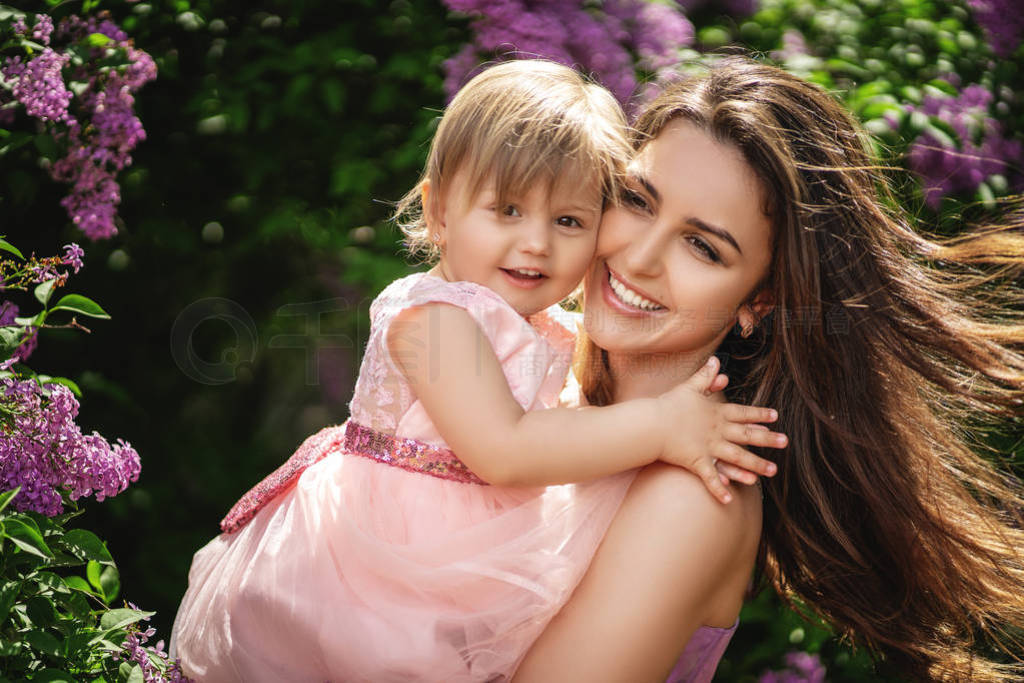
(374, 554)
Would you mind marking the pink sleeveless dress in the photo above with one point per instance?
(374, 554)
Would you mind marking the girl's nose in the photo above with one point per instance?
(535, 237)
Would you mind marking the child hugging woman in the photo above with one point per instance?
(428, 538)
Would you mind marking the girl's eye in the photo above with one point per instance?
(634, 199)
(568, 222)
(706, 250)
(510, 210)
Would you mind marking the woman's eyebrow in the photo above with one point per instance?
(721, 233)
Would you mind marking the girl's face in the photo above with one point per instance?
(533, 250)
(677, 262)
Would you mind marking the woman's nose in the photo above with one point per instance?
(644, 252)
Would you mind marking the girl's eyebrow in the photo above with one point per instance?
(703, 226)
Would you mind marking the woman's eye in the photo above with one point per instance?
(568, 222)
(634, 199)
(704, 248)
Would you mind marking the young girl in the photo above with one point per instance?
(393, 559)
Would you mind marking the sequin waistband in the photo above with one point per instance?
(409, 454)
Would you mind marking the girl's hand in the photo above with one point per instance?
(706, 436)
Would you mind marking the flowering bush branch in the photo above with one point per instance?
(77, 81)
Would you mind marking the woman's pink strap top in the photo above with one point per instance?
(702, 654)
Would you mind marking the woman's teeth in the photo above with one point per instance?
(627, 295)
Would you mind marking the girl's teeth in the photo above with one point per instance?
(630, 297)
(526, 272)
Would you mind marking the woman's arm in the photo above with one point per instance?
(672, 561)
(451, 366)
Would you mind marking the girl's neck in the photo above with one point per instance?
(650, 375)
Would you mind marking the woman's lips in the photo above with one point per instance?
(613, 300)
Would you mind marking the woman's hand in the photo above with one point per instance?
(707, 437)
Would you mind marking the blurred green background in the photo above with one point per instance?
(254, 228)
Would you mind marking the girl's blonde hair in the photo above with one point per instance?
(516, 124)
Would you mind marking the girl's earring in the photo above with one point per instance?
(747, 329)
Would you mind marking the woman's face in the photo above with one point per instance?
(678, 261)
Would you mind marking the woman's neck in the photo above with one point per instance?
(650, 375)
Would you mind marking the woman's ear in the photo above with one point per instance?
(762, 304)
(754, 311)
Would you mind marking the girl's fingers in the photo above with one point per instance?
(734, 412)
(707, 471)
(744, 459)
(720, 382)
(731, 472)
(703, 379)
(754, 435)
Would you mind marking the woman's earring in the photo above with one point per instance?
(747, 324)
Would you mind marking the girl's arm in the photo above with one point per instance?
(453, 370)
(673, 560)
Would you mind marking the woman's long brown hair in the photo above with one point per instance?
(887, 354)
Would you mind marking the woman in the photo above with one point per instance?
(754, 204)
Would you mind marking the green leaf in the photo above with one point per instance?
(87, 546)
(31, 321)
(25, 534)
(136, 675)
(43, 642)
(10, 336)
(96, 40)
(110, 583)
(7, 496)
(80, 608)
(941, 136)
(80, 304)
(69, 383)
(53, 676)
(40, 611)
(77, 641)
(8, 594)
(44, 291)
(78, 583)
(7, 246)
(92, 572)
(119, 618)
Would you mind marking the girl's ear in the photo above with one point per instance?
(433, 213)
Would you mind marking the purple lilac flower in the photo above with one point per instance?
(100, 148)
(983, 152)
(793, 45)
(596, 41)
(44, 452)
(738, 8)
(8, 312)
(801, 667)
(1002, 21)
(134, 649)
(73, 256)
(39, 85)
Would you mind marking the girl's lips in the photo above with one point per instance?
(522, 281)
(618, 304)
